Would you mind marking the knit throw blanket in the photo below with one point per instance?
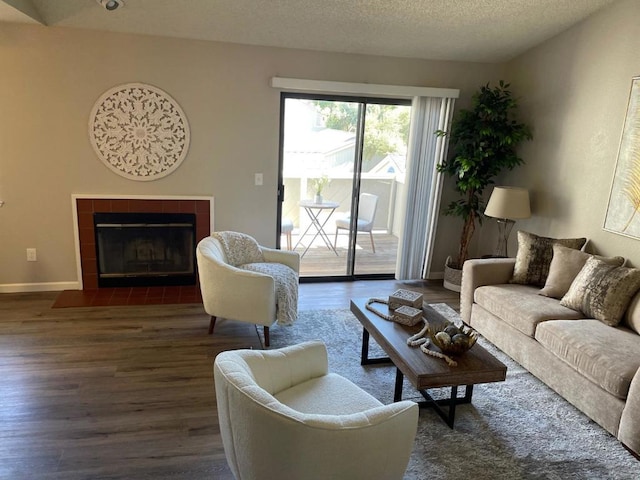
(286, 281)
(242, 251)
(239, 248)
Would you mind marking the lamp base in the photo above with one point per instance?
(504, 230)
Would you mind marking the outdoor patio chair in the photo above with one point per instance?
(366, 216)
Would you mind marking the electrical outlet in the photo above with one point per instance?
(31, 255)
(258, 179)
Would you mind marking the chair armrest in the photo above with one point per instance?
(291, 259)
(629, 430)
(479, 272)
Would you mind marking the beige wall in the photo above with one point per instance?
(574, 91)
(51, 77)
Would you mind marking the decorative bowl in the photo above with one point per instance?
(451, 339)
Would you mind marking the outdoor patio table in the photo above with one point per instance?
(315, 211)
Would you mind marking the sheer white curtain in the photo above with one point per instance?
(423, 185)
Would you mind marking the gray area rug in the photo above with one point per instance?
(517, 429)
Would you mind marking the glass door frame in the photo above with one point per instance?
(357, 177)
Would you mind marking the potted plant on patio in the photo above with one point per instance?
(318, 184)
(483, 142)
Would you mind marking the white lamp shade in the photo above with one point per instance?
(509, 202)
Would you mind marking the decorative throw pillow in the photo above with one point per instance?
(602, 291)
(565, 266)
(534, 257)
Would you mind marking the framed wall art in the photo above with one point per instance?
(623, 211)
(139, 131)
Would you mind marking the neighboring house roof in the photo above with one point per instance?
(323, 141)
(392, 163)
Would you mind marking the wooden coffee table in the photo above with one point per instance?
(424, 371)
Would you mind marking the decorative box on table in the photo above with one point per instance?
(405, 297)
(407, 315)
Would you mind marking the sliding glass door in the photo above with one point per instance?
(342, 170)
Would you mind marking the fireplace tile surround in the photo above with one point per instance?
(85, 207)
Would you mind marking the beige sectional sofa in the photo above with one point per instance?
(591, 364)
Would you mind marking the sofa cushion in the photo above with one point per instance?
(521, 307)
(565, 266)
(602, 291)
(608, 356)
(534, 257)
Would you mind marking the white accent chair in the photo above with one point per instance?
(366, 215)
(233, 293)
(283, 415)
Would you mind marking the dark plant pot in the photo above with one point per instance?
(452, 276)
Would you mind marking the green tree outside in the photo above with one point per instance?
(386, 129)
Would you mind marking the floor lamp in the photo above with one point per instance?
(507, 204)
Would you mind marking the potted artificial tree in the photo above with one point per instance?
(483, 143)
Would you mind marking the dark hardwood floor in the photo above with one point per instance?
(127, 392)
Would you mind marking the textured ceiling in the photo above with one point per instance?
(465, 30)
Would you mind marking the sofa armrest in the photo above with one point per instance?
(479, 272)
(629, 430)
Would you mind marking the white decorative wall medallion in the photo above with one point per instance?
(139, 131)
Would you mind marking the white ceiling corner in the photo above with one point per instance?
(19, 11)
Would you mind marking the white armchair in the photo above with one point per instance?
(283, 415)
(237, 294)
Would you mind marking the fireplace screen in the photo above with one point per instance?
(146, 249)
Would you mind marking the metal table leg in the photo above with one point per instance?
(364, 357)
(448, 416)
(318, 224)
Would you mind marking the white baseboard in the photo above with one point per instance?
(38, 287)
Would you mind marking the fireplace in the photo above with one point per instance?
(162, 210)
(145, 249)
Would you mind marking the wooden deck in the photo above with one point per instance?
(321, 261)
